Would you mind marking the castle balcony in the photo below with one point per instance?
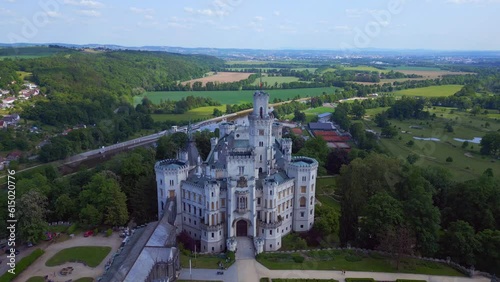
(241, 210)
(276, 224)
(217, 227)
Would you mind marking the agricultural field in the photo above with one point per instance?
(467, 163)
(413, 68)
(431, 91)
(312, 70)
(192, 115)
(365, 68)
(233, 97)
(271, 80)
(221, 77)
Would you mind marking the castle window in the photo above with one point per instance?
(261, 132)
(270, 232)
(302, 189)
(304, 178)
(302, 226)
(302, 214)
(161, 193)
(312, 200)
(213, 235)
(311, 212)
(212, 205)
(258, 201)
(312, 187)
(261, 144)
(271, 192)
(302, 202)
(222, 202)
(260, 157)
(241, 170)
(161, 181)
(172, 182)
(184, 206)
(199, 211)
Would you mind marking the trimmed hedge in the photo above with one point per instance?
(264, 279)
(22, 265)
(409, 280)
(359, 280)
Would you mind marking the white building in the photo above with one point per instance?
(249, 185)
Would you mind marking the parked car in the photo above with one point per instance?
(88, 233)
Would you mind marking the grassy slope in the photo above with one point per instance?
(431, 91)
(273, 79)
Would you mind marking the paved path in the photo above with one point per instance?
(249, 270)
(39, 269)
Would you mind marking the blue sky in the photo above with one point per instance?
(271, 24)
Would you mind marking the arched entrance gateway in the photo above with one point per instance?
(241, 228)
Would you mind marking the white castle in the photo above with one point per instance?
(249, 185)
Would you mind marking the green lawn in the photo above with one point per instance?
(467, 163)
(91, 256)
(192, 115)
(24, 75)
(352, 261)
(431, 91)
(325, 192)
(312, 113)
(233, 97)
(204, 261)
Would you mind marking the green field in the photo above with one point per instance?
(467, 163)
(364, 68)
(204, 261)
(271, 80)
(192, 115)
(233, 97)
(91, 256)
(24, 75)
(351, 261)
(431, 91)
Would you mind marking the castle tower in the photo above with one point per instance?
(304, 170)
(261, 137)
(169, 174)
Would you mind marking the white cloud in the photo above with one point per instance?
(277, 13)
(4, 11)
(205, 12)
(84, 3)
(54, 14)
(357, 13)
(141, 11)
(259, 18)
(90, 13)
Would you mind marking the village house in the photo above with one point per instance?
(8, 102)
(11, 119)
(3, 124)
